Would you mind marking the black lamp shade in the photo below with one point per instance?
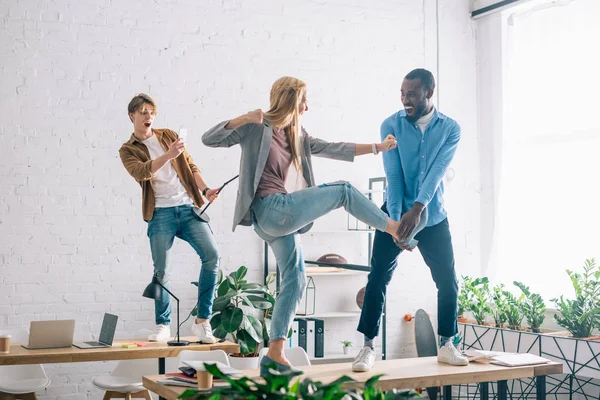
(153, 290)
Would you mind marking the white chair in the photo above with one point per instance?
(22, 381)
(211, 355)
(125, 381)
(295, 355)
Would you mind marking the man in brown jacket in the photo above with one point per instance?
(172, 190)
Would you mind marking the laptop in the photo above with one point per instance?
(50, 334)
(107, 334)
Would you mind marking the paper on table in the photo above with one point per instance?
(226, 369)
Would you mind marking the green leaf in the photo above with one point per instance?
(259, 302)
(231, 319)
(194, 311)
(223, 289)
(241, 273)
(250, 286)
(247, 343)
(222, 302)
(253, 326)
(188, 393)
(217, 328)
(194, 283)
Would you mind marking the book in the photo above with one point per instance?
(225, 369)
(518, 360)
(504, 359)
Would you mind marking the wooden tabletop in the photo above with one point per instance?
(21, 355)
(404, 373)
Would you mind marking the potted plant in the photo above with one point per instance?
(241, 312)
(480, 299)
(581, 315)
(500, 305)
(464, 299)
(533, 307)
(514, 316)
(346, 344)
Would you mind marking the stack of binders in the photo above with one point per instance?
(309, 333)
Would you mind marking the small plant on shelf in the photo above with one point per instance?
(480, 298)
(581, 315)
(464, 299)
(346, 344)
(500, 307)
(514, 316)
(532, 307)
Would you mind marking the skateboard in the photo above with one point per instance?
(426, 342)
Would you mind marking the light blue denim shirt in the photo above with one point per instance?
(415, 168)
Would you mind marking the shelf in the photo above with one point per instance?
(332, 314)
(345, 273)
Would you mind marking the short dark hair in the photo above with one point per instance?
(425, 76)
(138, 101)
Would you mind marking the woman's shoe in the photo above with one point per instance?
(268, 366)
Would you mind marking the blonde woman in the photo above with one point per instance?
(271, 142)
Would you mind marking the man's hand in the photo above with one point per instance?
(409, 222)
(175, 149)
(212, 194)
(388, 144)
(255, 117)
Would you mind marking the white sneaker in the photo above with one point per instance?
(161, 333)
(364, 360)
(450, 355)
(204, 332)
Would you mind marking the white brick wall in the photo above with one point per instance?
(73, 241)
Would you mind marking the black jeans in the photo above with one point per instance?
(435, 245)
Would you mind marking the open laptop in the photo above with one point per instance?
(107, 334)
(50, 334)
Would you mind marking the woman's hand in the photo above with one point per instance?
(255, 117)
(388, 144)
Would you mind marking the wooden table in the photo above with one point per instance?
(408, 373)
(20, 355)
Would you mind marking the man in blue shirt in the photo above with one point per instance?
(427, 142)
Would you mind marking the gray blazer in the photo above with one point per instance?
(255, 141)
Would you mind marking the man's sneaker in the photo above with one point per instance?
(364, 360)
(204, 332)
(161, 333)
(450, 355)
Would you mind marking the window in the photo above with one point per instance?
(548, 213)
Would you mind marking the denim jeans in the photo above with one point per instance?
(277, 219)
(181, 221)
(435, 245)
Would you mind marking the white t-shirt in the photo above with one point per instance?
(424, 121)
(168, 189)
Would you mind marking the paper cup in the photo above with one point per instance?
(205, 380)
(4, 343)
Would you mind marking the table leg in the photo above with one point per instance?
(484, 390)
(161, 371)
(540, 387)
(502, 390)
(447, 392)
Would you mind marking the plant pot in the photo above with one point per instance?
(241, 363)
(463, 319)
(346, 349)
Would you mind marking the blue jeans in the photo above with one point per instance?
(181, 221)
(277, 219)
(435, 245)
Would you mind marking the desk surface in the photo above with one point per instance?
(404, 373)
(21, 355)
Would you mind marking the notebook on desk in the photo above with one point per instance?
(518, 360)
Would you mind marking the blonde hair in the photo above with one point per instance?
(286, 95)
(138, 102)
